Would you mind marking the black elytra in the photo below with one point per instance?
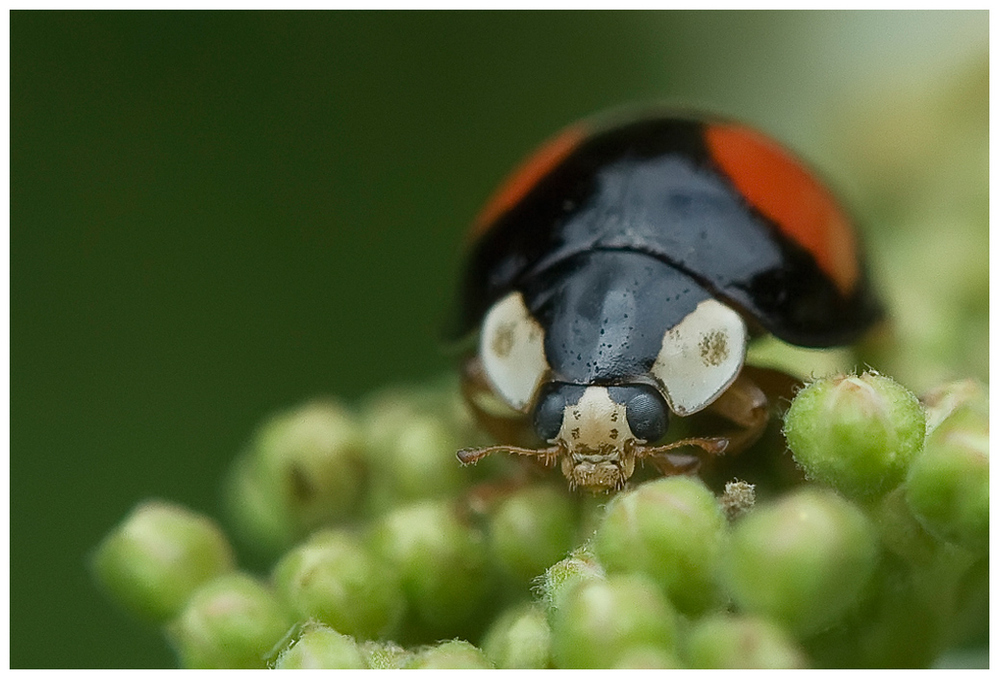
(616, 233)
(652, 188)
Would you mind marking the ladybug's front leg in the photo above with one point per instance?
(496, 418)
(744, 405)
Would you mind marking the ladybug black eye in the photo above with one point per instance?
(646, 413)
(549, 414)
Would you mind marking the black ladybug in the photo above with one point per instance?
(618, 276)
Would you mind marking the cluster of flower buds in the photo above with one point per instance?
(376, 549)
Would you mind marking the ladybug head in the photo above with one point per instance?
(598, 430)
(596, 433)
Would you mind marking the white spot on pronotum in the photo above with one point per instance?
(512, 351)
(700, 357)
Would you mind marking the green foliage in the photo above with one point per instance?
(666, 573)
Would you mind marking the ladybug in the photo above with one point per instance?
(616, 278)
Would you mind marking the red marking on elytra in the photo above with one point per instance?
(527, 175)
(782, 190)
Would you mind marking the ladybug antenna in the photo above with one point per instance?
(713, 445)
(548, 456)
(671, 463)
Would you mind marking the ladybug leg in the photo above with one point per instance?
(495, 417)
(669, 464)
(746, 403)
(501, 422)
(779, 386)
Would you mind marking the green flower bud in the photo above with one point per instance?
(893, 626)
(531, 529)
(450, 654)
(383, 411)
(416, 460)
(380, 654)
(898, 629)
(725, 641)
(671, 529)
(602, 622)
(154, 560)
(303, 469)
(566, 574)
(318, 646)
(942, 401)
(519, 638)
(232, 621)
(970, 626)
(252, 507)
(441, 563)
(855, 433)
(384, 415)
(646, 657)
(948, 485)
(941, 584)
(333, 578)
(900, 531)
(801, 561)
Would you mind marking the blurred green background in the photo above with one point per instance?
(217, 215)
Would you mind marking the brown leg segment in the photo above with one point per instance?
(779, 386)
(744, 405)
(668, 462)
(500, 421)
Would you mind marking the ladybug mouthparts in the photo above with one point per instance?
(609, 467)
